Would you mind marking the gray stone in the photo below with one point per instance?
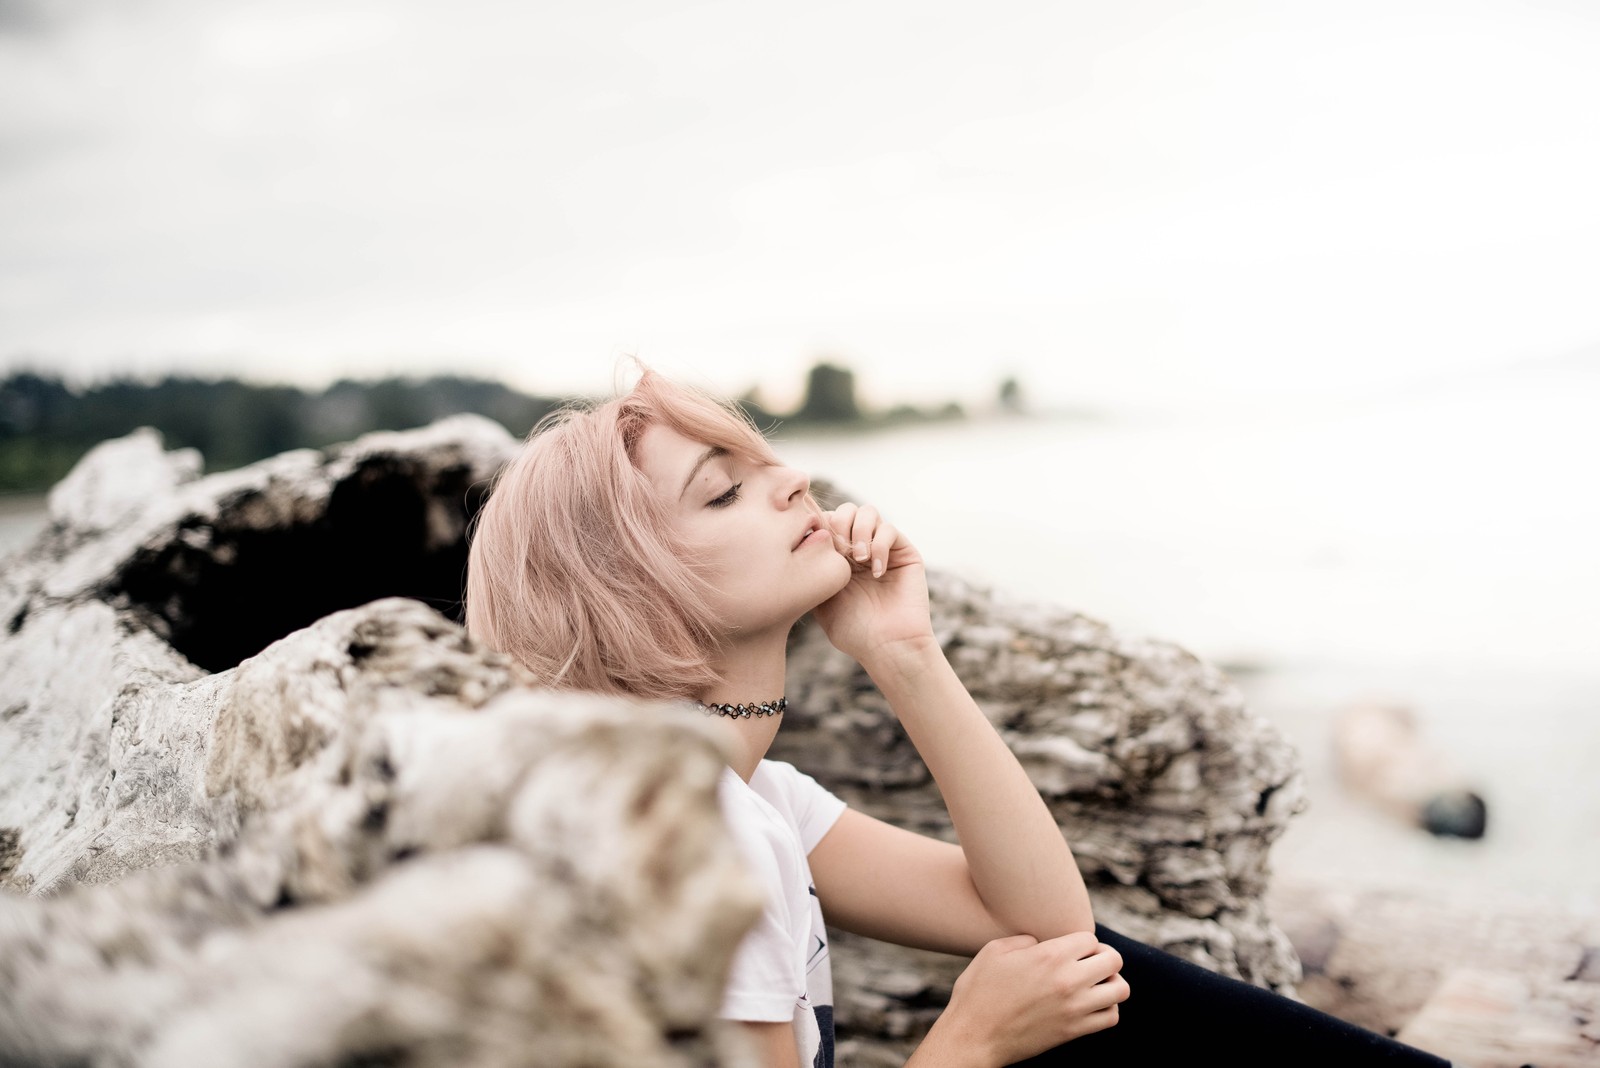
(263, 802)
(369, 839)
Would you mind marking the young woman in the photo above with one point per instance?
(654, 545)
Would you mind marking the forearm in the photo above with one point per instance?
(1020, 864)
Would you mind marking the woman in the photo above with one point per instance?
(655, 546)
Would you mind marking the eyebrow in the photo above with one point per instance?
(710, 454)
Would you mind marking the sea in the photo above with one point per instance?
(1435, 546)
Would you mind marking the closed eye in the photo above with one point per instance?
(727, 498)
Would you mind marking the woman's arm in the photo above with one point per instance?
(774, 1043)
(1019, 862)
(1020, 997)
(1017, 998)
(1040, 976)
(863, 869)
(1013, 864)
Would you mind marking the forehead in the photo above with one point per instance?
(666, 457)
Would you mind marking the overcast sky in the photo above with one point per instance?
(1125, 203)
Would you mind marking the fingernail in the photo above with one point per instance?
(861, 550)
(877, 569)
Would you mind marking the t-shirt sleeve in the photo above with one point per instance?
(763, 982)
(766, 977)
(815, 808)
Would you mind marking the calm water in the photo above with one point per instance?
(21, 516)
(1439, 548)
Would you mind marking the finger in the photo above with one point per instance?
(839, 522)
(866, 521)
(1114, 991)
(1098, 1020)
(1077, 945)
(1095, 968)
(882, 540)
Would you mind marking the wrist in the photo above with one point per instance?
(949, 1045)
(903, 656)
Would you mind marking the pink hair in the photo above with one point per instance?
(574, 569)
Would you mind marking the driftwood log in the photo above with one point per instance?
(262, 802)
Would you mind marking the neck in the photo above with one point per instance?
(750, 672)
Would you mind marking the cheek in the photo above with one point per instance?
(726, 559)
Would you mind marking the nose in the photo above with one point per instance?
(791, 486)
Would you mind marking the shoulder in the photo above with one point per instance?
(787, 787)
(806, 804)
(784, 774)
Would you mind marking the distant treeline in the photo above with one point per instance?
(46, 426)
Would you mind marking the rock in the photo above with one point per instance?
(1482, 977)
(1496, 1019)
(1383, 758)
(263, 802)
(371, 840)
(375, 840)
(117, 479)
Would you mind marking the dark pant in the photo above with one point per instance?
(1177, 1013)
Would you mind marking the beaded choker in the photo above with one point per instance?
(763, 708)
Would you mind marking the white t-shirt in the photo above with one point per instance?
(780, 971)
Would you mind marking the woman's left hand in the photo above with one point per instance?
(886, 601)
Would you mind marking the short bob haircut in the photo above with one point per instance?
(574, 569)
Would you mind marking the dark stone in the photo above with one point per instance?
(1458, 814)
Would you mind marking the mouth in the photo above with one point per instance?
(813, 529)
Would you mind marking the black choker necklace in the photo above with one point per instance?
(764, 708)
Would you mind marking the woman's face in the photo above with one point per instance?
(755, 529)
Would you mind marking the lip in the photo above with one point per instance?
(816, 530)
(816, 537)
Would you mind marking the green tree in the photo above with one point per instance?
(1010, 395)
(830, 395)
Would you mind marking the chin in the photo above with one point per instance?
(838, 583)
(783, 612)
(825, 587)
(845, 571)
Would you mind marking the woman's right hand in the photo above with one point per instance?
(1020, 997)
